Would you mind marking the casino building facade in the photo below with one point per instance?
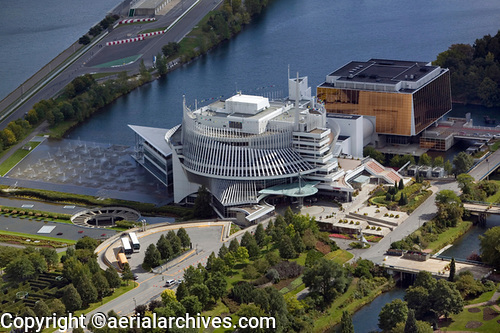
(250, 152)
(405, 97)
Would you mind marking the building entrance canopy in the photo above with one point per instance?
(296, 190)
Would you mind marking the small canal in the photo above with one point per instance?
(366, 319)
(469, 243)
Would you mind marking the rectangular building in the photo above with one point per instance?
(405, 97)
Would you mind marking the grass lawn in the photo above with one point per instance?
(98, 76)
(333, 314)
(449, 236)
(36, 237)
(152, 30)
(495, 197)
(340, 256)
(58, 130)
(16, 158)
(484, 297)
(458, 322)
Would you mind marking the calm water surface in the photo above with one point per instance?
(315, 37)
(33, 32)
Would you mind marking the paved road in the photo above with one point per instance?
(207, 239)
(423, 213)
(486, 166)
(148, 48)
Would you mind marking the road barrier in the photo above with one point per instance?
(124, 41)
(148, 34)
(137, 20)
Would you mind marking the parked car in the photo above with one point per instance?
(170, 283)
(59, 233)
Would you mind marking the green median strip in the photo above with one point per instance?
(15, 158)
(34, 237)
(119, 62)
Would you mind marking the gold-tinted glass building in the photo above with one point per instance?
(405, 97)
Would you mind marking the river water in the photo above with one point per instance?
(366, 319)
(314, 37)
(469, 243)
(33, 32)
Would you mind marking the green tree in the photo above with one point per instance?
(326, 278)
(84, 40)
(234, 245)
(71, 299)
(202, 208)
(41, 309)
(411, 323)
(20, 269)
(490, 251)
(144, 73)
(242, 255)
(161, 64)
(260, 234)
(184, 237)
(401, 184)
(152, 257)
(101, 285)
(86, 289)
(222, 251)
(391, 314)
(50, 256)
(175, 242)
(488, 92)
(286, 248)
(182, 291)
(127, 274)
(462, 162)
(170, 49)
(450, 209)
(346, 325)
(425, 159)
(168, 296)
(112, 277)
(417, 298)
(453, 269)
(448, 167)
(446, 299)
(57, 307)
(39, 263)
(438, 161)
(164, 247)
(201, 291)
(375, 154)
(86, 242)
(249, 311)
(217, 285)
(192, 305)
(193, 276)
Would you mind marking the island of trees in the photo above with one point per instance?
(475, 71)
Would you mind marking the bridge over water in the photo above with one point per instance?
(486, 167)
(437, 267)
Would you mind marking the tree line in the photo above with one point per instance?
(83, 281)
(475, 70)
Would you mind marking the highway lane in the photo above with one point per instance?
(148, 48)
(486, 166)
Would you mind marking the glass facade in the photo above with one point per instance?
(432, 101)
(392, 109)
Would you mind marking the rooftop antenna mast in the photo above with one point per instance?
(297, 98)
